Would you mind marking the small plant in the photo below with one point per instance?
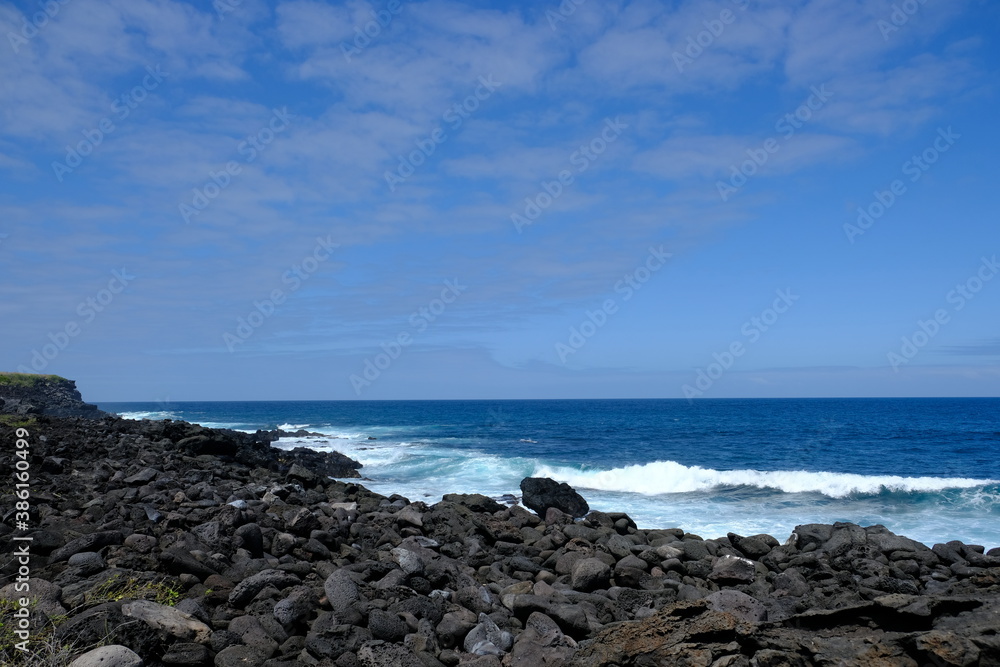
(27, 379)
(117, 588)
(43, 647)
(15, 421)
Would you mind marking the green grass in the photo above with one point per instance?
(44, 650)
(14, 421)
(27, 379)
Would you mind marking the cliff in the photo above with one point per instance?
(51, 395)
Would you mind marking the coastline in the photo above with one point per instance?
(197, 546)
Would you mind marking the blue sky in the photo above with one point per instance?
(309, 200)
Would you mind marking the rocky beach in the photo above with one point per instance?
(166, 543)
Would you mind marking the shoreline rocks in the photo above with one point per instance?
(225, 551)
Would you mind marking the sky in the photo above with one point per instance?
(249, 200)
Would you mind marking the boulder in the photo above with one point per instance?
(740, 605)
(168, 620)
(487, 638)
(541, 493)
(108, 656)
(732, 569)
(590, 574)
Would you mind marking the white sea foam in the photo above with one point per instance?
(154, 414)
(664, 477)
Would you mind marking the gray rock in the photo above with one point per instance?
(728, 569)
(474, 501)
(250, 538)
(142, 477)
(91, 542)
(590, 574)
(619, 547)
(740, 605)
(247, 589)
(142, 544)
(108, 656)
(668, 552)
(282, 544)
(240, 656)
(383, 654)
(454, 626)
(87, 562)
(386, 625)
(168, 620)
(408, 561)
(252, 633)
(46, 596)
(487, 638)
(753, 547)
(341, 591)
(186, 654)
(296, 607)
(694, 549)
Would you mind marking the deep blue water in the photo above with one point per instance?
(927, 468)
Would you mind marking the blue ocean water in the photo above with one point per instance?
(926, 468)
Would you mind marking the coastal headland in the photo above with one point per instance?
(130, 543)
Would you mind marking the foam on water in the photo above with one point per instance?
(662, 477)
(155, 414)
(700, 500)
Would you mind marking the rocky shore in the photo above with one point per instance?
(165, 543)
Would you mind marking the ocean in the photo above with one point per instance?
(925, 468)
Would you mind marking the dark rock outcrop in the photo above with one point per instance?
(51, 395)
(541, 493)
